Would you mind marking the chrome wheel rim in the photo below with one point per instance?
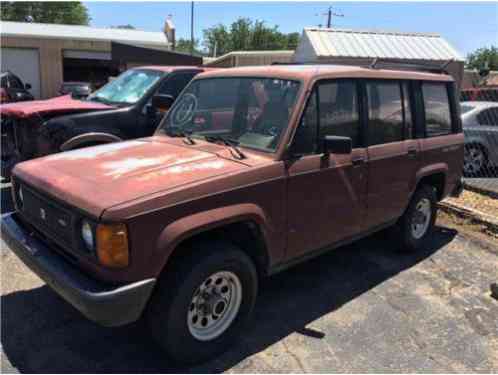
(214, 305)
(421, 218)
(473, 160)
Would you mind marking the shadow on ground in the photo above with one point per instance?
(41, 333)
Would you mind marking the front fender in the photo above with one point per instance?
(87, 138)
(184, 228)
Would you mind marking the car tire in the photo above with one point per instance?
(417, 223)
(194, 319)
(475, 160)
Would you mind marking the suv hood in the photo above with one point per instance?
(100, 177)
(58, 105)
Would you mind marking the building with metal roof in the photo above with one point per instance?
(344, 46)
(45, 55)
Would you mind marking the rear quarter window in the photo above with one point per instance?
(437, 109)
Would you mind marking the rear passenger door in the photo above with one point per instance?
(393, 153)
(326, 192)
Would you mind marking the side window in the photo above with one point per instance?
(175, 84)
(488, 117)
(339, 110)
(409, 134)
(437, 109)
(306, 133)
(4, 82)
(385, 112)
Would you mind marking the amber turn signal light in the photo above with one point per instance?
(112, 245)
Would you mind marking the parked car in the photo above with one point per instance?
(253, 170)
(128, 107)
(12, 89)
(78, 90)
(480, 127)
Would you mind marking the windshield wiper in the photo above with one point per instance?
(187, 134)
(230, 142)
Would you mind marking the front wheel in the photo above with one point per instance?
(202, 302)
(417, 223)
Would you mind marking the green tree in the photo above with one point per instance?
(246, 35)
(183, 45)
(485, 58)
(61, 12)
(217, 37)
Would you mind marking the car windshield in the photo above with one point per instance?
(464, 108)
(249, 112)
(128, 88)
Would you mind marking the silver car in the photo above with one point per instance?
(480, 127)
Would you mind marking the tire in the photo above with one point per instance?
(413, 235)
(176, 301)
(475, 160)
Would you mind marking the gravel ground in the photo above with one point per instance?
(361, 308)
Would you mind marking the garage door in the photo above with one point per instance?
(24, 63)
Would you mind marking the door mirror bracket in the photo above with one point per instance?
(337, 145)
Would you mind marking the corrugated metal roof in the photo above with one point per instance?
(380, 44)
(46, 30)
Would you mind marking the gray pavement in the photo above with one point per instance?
(361, 308)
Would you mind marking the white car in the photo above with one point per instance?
(480, 127)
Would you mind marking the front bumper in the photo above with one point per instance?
(108, 305)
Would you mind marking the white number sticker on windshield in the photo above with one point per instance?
(184, 110)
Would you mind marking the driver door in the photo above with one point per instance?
(326, 193)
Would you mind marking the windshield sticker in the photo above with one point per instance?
(184, 110)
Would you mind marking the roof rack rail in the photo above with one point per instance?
(398, 65)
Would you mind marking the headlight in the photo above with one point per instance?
(112, 245)
(87, 235)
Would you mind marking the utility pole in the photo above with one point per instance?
(192, 28)
(329, 15)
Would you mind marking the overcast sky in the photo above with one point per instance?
(466, 25)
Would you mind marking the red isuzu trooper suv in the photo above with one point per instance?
(252, 170)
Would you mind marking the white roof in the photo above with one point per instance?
(378, 44)
(54, 31)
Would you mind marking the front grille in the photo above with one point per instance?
(53, 220)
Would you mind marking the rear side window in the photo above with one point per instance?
(338, 109)
(385, 112)
(174, 85)
(488, 117)
(437, 109)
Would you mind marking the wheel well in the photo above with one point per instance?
(246, 235)
(437, 181)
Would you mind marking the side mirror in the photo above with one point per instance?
(337, 145)
(162, 102)
(27, 86)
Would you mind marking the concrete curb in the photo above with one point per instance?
(469, 213)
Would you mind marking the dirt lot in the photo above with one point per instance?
(362, 308)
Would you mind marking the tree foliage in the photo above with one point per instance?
(69, 13)
(183, 45)
(483, 59)
(247, 35)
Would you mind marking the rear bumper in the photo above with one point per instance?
(108, 305)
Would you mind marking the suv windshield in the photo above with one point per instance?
(128, 88)
(250, 112)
